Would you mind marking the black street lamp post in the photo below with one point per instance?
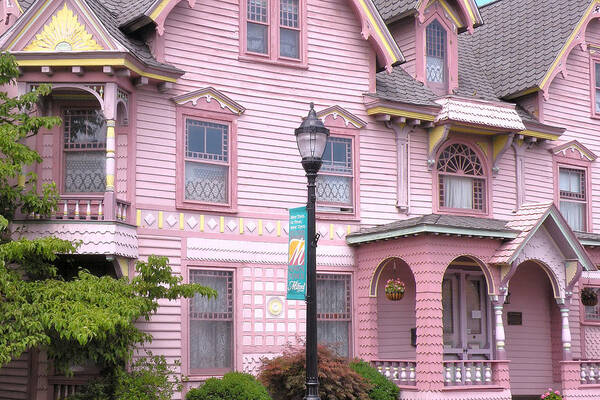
(311, 137)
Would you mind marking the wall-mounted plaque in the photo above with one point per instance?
(514, 318)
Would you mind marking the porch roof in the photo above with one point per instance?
(436, 224)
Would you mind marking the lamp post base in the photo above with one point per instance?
(312, 390)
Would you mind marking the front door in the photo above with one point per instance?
(466, 310)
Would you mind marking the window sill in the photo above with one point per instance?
(225, 208)
(281, 62)
(333, 216)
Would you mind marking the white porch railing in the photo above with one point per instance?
(401, 372)
(590, 372)
(60, 388)
(468, 372)
(87, 208)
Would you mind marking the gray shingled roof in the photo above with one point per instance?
(400, 86)
(110, 20)
(392, 8)
(472, 81)
(520, 40)
(487, 227)
(127, 10)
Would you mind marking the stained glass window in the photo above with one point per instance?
(85, 151)
(206, 162)
(461, 178)
(334, 312)
(211, 322)
(435, 52)
(335, 180)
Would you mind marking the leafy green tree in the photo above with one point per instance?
(80, 319)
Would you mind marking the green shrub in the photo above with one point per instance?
(285, 377)
(233, 386)
(383, 388)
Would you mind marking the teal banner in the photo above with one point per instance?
(296, 285)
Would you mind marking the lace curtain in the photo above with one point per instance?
(458, 192)
(333, 312)
(206, 182)
(574, 213)
(211, 322)
(85, 171)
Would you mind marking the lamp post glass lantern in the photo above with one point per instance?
(311, 137)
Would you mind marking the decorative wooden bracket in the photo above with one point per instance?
(501, 143)
(437, 136)
(573, 270)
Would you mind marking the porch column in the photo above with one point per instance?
(110, 110)
(500, 336)
(566, 331)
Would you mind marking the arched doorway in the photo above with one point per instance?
(533, 331)
(396, 320)
(466, 314)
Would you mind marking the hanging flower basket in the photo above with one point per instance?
(394, 289)
(589, 297)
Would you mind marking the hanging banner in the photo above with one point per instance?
(296, 285)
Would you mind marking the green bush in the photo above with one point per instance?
(383, 388)
(285, 377)
(233, 386)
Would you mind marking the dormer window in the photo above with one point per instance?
(435, 66)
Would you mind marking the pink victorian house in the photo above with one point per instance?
(462, 160)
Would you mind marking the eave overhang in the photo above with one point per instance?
(420, 229)
(96, 59)
(379, 107)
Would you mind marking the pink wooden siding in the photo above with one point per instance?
(420, 181)
(404, 33)
(504, 196)
(529, 347)
(397, 317)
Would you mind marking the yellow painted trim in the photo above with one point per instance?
(181, 222)
(278, 228)
(221, 224)
(160, 220)
(110, 181)
(92, 62)
(110, 131)
(21, 180)
(470, 10)
(158, 10)
(498, 144)
(436, 135)
(484, 147)
(348, 230)
(124, 265)
(476, 131)
(331, 232)
(241, 223)
(138, 217)
(400, 113)
(379, 33)
(572, 37)
(201, 222)
(260, 228)
(539, 135)
(451, 14)
(19, 6)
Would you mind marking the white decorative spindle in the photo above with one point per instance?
(478, 374)
(488, 374)
(76, 209)
(65, 210)
(387, 372)
(403, 374)
(566, 333)
(412, 375)
(88, 210)
(448, 375)
(124, 215)
(468, 375)
(100, 211)
(583, 375)
(458, 374)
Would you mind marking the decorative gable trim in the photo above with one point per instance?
(574, 146)
(160, 11)
(337, 111)
(577, 38)
(70, 22)
(63, 32)
(471, 18)
(209, 94)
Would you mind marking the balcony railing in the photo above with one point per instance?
(401, 372)
(468, 372)
(87, 208)
(60, 388)
(590, 372)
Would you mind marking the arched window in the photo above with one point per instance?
(435, 66)
(462, 178)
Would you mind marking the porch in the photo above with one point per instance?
(491, 308)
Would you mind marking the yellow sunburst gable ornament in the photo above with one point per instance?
(63, 33)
